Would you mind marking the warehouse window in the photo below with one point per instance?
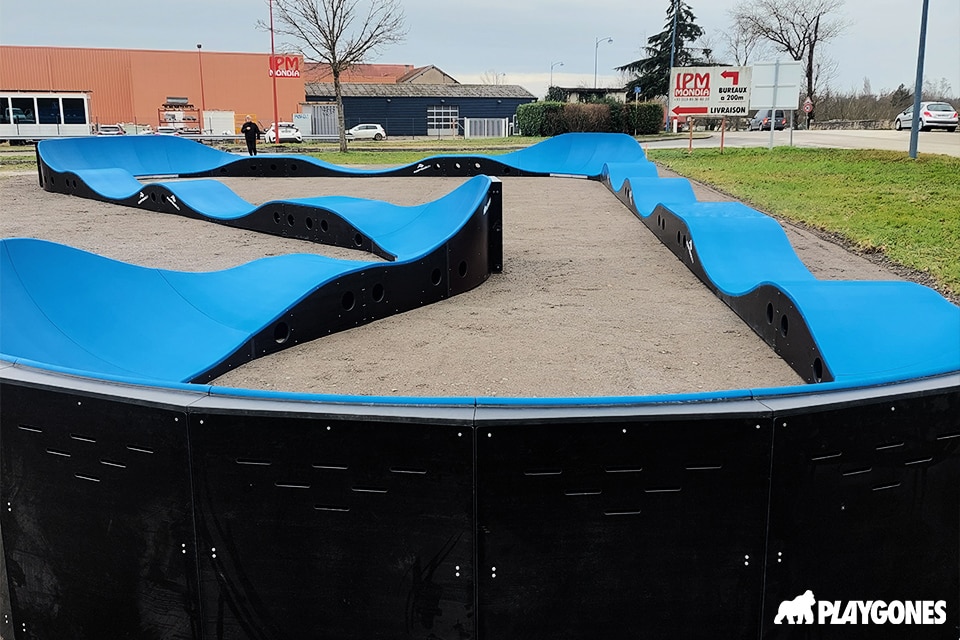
(49, 110)
(23, 110)
(74, 111)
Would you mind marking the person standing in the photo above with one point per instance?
(251, 132)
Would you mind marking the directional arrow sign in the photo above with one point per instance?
(710, 92)
(733, 76)
(689, 111)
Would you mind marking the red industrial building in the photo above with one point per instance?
(132, 85)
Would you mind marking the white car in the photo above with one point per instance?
(288, 133)
(367, 132)
(110, 130)
(933, 115)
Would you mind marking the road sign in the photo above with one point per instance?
(709, 92)
(776, 85)
(808, 105)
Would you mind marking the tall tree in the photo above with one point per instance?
(652, 74)
(795, 27)
(339, 34)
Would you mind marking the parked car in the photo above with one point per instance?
(288, 133)
(761, 121)
(367, 132)
(933, 115)
(15, 115)
(168, 131)
(110, 130)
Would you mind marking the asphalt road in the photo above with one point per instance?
(938, 142)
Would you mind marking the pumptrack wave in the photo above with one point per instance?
(75, 310)
(835, 333)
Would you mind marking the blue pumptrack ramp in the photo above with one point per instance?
(848, 332)
(840, 332)
(75, 310)
(572, 154)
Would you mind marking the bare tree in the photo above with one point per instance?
(743, 48)
(492, 76)
(793, 26)
(338, 34)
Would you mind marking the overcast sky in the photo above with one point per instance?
(521, 39)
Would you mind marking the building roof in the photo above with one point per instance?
(359, 73)
(417, 74)
(325, 90)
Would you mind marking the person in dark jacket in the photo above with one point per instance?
(251, 132)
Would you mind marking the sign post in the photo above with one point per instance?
(709, 92)
(776, 85)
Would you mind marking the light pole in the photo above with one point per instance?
(918, 86)
(273, 74)
(596, 53)
(203, 100)
(555, 64)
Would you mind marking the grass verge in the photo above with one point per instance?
(876, 201)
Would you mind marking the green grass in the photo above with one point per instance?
(878, 201)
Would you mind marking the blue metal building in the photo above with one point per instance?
(422, 109)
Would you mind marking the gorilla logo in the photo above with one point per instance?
(796, 611)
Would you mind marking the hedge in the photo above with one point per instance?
(550, 118)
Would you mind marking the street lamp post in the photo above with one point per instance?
(555, 64)
(203, 100)
(596, 53)
(273, 75)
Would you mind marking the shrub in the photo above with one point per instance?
(541, 118)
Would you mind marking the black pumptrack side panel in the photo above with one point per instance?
(766, 310)
(334, 528)
(865, 505)
(622, 529)
(96, 520)
(443, 166)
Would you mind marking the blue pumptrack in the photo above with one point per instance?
(75, 310)
(178, 327)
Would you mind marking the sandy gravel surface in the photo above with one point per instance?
(589, 303)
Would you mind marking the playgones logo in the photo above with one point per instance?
(800, 610)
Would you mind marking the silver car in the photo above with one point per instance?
(933, 115)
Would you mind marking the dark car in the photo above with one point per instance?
(761, 121)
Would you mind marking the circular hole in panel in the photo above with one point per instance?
(281, 332)
(276, 217)
(223, 169)
(293, 166)
(324, 225)
(309, 222)
(462, 268)
(253, 167)
(348, 300)
(358, 240)
(377, 292)
(784, 325)
(506, 170)
(769, 313)
(290, 219)
(678, 237)
(684, 239)
(435, 277)
(273, 167)
(817, 370)
(153, 196)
